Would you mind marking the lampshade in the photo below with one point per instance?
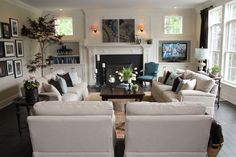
(201, 53)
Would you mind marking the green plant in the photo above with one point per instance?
(43, 31)
(127, 74)
(215, 69)
(31, 84)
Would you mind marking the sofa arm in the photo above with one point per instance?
(52, 96)
(195, 93)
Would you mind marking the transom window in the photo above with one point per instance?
(173, 25)
(64, 26)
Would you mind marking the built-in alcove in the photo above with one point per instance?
(115, 63)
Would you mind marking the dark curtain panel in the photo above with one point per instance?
(204, 28)
(204, 31)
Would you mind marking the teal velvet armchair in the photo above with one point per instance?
(150, 73)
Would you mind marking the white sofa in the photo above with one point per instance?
(72, 129)
(166, 130)
(163, 93)
(75, 93)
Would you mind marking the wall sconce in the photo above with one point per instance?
(141, 27)
(94, 28)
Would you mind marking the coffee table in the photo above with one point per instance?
(121, 93)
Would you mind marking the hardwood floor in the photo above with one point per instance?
(226, 116)
(14, 145)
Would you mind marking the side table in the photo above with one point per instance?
(21, 102)
(218, 81)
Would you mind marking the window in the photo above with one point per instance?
(173, 25)
(215, 35)
(230, 46)
(64, 26)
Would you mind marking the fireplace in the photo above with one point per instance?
(114, 54)
(108, 65)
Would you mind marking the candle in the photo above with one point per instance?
(98, 58)
(103, 65)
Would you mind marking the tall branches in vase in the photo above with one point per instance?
(43, 31)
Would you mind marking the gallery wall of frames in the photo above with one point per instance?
(11, 49)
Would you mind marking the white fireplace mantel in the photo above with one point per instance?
(113, 49)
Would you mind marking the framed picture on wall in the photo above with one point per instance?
(6, 30)
(3, 69)
(10, 67)
(9, 49)
(19, 48)
(126, 30)
(18, 68)
(110, 30)
(14, 27)
(2, 54)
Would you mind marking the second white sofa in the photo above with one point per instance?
(73, 129)
(166, 130)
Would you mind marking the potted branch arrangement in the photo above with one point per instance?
(43, 31)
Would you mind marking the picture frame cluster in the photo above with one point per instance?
(10, 48)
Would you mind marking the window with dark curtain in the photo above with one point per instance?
(204, 31)
(204, 28)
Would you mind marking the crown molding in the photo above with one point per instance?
(25, 6)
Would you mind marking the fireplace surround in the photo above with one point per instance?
(97, 53)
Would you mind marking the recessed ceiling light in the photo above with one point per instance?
(61, 9)
(175, 7)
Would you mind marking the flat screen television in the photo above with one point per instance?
(174, 51)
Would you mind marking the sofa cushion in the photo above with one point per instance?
(74, 78)
(176, 83)
(166, 77)
(204, 83)
(170, 108)
(62, 84)
(190, 85)
(56, 85)
(53, 108)
(67, 78)
(171, 78)
(182, 82)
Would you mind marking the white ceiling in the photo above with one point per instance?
(69, 4)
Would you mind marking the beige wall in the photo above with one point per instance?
(9, 84)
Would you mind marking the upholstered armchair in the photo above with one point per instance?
(149, 73)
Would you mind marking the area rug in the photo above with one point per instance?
(118, 105)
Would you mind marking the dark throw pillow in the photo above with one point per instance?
(167, 76)
(56, 85)
(67, 79)
(176, 83)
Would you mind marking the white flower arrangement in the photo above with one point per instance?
(127, 74)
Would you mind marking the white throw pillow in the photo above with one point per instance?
(48, 88)
(62, 83)
(190, 85)
(74, 78)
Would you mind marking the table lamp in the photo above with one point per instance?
(201, 54)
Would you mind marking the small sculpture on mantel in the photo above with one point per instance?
(64, 51)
